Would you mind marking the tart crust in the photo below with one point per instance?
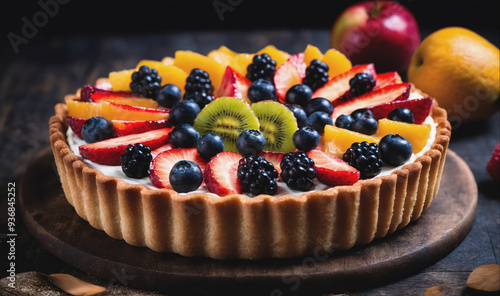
(236, 226)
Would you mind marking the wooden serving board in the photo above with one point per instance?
(53, 221)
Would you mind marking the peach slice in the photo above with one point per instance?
(337, 140)
(120, 80)
(336, 61)
(312, 53)
(417, 134)
(113, 111)
(85, 110)
(188, 60)
(241, 61)
(277, 55)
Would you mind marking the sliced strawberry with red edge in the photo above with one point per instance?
(395, 92)
(165, 147)
(108, 152)
(338, 85)
(493, 165)
(76, 125)
(289, 74)
(385, 79)
(234, 85)
(275, 159)
(332, 170)
(421, 108)
(162, 164)
(126, 127)
(221, 174)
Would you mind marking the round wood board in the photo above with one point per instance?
(53, 221)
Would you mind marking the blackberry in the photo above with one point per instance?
(262, 66)
(316, 74)
(365, 157)
(135, 161)
(199, 87)
(297, 171)
(257, 175)
(146, 82)
(361, 83)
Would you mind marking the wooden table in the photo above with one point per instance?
(48, 67)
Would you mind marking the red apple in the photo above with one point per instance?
(381, 32)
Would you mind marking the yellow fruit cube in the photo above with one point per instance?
(336, 61)
(312, 53)
(240, 62)
(120, 80)
(224, 49)
(337, 140)
(221, 57)
(168, 60)
(168, 73)
(417, 134)
(188, 60)
(278, 55)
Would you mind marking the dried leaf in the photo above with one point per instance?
(74, 286)
(485, 278)
(435, 291)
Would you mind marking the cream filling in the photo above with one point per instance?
(116, 171)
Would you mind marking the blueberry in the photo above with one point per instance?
(261, 90)
(299, 114)
(344, 121)
(394, 149)
(306, 139)
(185, 176)
(184, 136)
(184, 112)
(250, 142)
(318, 104)
(298, 94)
(169, 95)
(96, 129)
(318, 120)
(402, 114)
(209, 145)
(361, 112)
(365, 124)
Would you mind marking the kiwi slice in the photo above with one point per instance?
(227, 117)
(278, 125)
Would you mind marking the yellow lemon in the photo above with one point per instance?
(460, 69)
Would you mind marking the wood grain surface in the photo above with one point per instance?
(51, 219)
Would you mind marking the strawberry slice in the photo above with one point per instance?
(163, 163)
(289, 74)
(493, 165)
(332, 170)
(420, 107)
(114, 111)
(234, 85)
(338, 85)
(385, 79)
(108, 152)
(165, 147)
(221, 174)
(97, 93)
(275, 159)
(126, 127)
(395, 92)
(76, 124)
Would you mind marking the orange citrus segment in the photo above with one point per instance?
(338, 140)
(277, 55)
(336, 61)
(113, 111)
(240, 62)
(120, 80)
(417, 134)
(312, 53)
(84, 110)
(188, 60)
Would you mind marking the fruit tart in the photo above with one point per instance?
(239, 155)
